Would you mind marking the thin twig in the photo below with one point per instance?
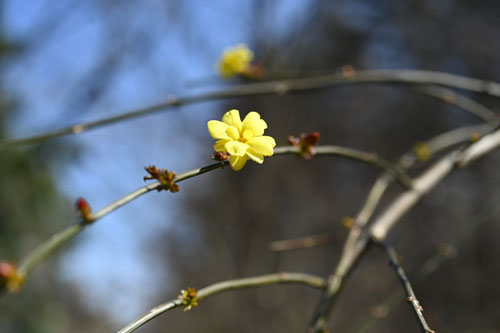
(280, 87)
(302, 242)
(353, 251)
(431, 265)
(217, 288)
(410, 294)
(451, 97)
(404, 202)
(56, 241)
(384, 223)
(436, 144)
(487, 144)
(358, 155)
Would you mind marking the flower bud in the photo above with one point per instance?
(85, 210)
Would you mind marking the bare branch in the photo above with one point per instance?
(487, 144)
(432, 264)
(410, 294)
(358, 155)
(59, 239)
(356, 245)
(217, 288)
(423, 184)
(436, 144)
(451, 97)
(301, 243)
(406, 77)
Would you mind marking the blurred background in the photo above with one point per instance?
(68, 61)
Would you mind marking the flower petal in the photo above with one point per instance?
(252, 115)
(253, 123)
(262, 145)
(255, 126)
(217, 129)
(233, 133)
(232, 118)
(236, 148)
(237, 162)
(256, 157)
(219, 145)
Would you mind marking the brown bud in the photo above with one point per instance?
(347, 71)
(307, 143)
(293, 141)
(311, 139)
(165, 177)
(220, 156)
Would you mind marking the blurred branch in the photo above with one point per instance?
(436, 144)
(410, 294)
(487, 144)
(355, 246)
(430, 179)
(432, 264)
(302, 243)
(217, 288)
(451, 97)
(281, 87)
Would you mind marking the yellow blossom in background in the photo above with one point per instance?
(241, 139)
(422, 151)
(235, 61)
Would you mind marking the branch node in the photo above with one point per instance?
(85, 210)
(165, 177)
(305, 144)
(172, 100)
(188, 298)
(10, 278)
(220, 156)
(76, 129)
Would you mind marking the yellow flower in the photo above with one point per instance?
(241, 139)
(235, 60)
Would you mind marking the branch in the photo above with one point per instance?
(358, 155)
(406, 77)
(410, 294)
(353, 251)
(436, 144)
(59, 239)
(430, 179)
(404, 202)
(384, 223)
(451, 97)
(432, 264)
(302, 242)
(217, 288)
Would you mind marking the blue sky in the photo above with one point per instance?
(186, 42)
